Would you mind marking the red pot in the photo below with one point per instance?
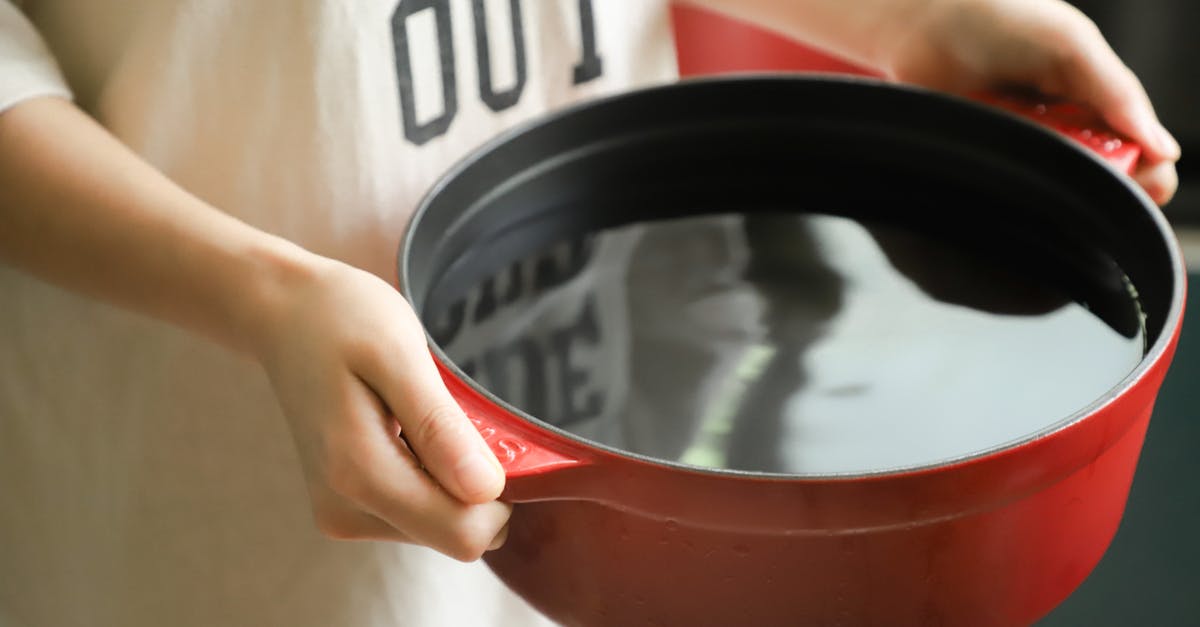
(994, 537)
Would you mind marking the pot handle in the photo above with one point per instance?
(522, 448)
(1074, 121)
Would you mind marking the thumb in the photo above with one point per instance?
(404, 375)
(450, 447)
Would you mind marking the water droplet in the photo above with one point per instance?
(672, 525)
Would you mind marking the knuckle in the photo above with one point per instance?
(370, 350)
(333, 526)
(1073, 22)
(345, 477)
(397, 337)
(360, 346)
(440, 423)
(467, 542)
(471, 534)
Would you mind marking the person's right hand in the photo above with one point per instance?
(387, 453)
(345, 353)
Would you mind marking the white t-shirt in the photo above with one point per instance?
(147, 477)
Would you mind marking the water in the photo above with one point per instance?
(793, 343)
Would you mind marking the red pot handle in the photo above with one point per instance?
(524, 449)
(1074, 121)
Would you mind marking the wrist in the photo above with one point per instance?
(272, 273)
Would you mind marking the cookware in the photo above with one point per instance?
(990, 537)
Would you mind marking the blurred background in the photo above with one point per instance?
(1151, 574)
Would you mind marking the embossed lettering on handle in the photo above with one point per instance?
(518, 455)
(523, 448)
(507, 449)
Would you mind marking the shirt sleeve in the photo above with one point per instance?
(27, 69)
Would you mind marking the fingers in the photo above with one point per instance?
(340, 520)
(409, 499)
(1103, 81)
(464, 534)
(404, 493)
(402, 372)
(1049, 46)
(374, 471)
(1160, 180)
(352, 376)
(1091, 73)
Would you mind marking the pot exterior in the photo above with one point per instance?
(995, 554)
(601, 537)
(584, 563)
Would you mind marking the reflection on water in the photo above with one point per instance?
(786, 343)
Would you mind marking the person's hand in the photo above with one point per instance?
(965, 46)
(387, 453)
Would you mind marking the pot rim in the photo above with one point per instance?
(1155, 353)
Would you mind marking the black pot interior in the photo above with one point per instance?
(889, 155)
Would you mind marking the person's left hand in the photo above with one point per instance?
(966, 46)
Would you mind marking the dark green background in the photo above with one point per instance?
(1151, 574)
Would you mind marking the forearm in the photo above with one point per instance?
(79, 209)
(863, 31)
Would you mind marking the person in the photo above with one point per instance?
(203, 353)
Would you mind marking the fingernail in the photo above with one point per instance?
(1167, 143)
(479, 473)
(500, 538)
